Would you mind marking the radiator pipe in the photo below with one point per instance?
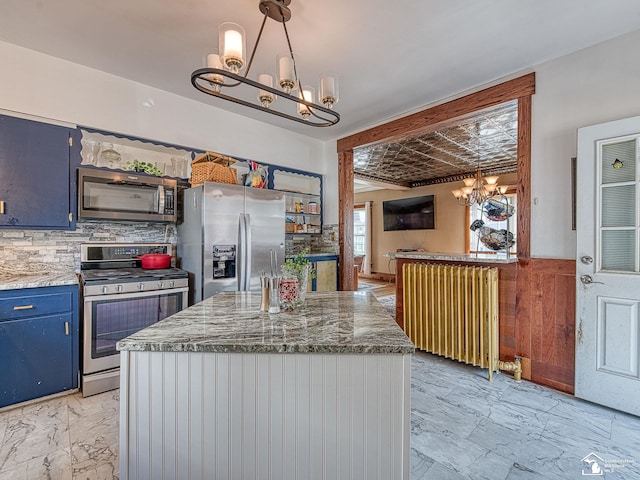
(515, 367)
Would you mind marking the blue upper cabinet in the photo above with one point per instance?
(36, 185)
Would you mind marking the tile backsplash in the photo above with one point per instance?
(41, 251)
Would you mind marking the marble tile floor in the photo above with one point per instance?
(64, 438)
(462, 427)
(465, 427)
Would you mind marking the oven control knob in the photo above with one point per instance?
(141, 286)
(160, 284)
(172, 283)
(105, 289)
(118, 288)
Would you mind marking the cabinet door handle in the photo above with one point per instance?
(1, 207)
(23, 307)
(66, 328)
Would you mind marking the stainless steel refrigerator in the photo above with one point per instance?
(227, 234)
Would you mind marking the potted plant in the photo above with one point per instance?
(301, 268)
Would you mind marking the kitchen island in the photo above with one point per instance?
(221, 390)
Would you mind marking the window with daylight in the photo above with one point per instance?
(359, 230)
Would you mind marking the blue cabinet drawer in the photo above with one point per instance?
(35, 305)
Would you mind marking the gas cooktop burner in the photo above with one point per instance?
(114, 268)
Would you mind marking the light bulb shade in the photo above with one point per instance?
(457, 193)
(469, 181)
(285, 72)
(266, 97)
(490, 187)
(231, 38)
(213, 61)
(491, 180)
(467, 190)
(328, 93)
(503, 189)
(308, 95)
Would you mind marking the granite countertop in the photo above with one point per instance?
(328, 322)
(457, 257)
(12, 281)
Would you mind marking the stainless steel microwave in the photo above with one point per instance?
(127, 196)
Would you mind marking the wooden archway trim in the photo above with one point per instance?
(520, 89)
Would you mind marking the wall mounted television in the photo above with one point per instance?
(415, 213)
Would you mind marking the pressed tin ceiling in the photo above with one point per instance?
(488, 139)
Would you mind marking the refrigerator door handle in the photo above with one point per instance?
(247, 228)
(242, 248)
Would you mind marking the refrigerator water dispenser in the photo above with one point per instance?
(224, 261)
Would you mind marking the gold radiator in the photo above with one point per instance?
(452, 311)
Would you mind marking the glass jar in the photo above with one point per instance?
(109, 156)
(90, 150)
(179, 167)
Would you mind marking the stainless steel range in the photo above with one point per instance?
(120, 298)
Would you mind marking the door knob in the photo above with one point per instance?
(586, 259)
(588, 280)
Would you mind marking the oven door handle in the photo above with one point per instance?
(125, 296)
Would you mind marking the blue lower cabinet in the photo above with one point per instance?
(326, 268)
(39, 344)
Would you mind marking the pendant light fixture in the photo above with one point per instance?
(226, 70)
(478, 189)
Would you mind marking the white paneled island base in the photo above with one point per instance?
(305, 405)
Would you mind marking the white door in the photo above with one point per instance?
(608, 265)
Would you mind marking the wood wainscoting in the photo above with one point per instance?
(546, 319)
(537, 317)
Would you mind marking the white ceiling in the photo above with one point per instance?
(392, 57)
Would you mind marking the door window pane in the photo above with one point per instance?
(625, 154)
(618, 211)
(619, 206)
(619, 250)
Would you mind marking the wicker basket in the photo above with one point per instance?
(212, 167)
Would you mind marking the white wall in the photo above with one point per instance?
(38, 84)
(594, 85)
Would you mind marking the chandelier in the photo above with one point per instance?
(224, 72)
(478, 189)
